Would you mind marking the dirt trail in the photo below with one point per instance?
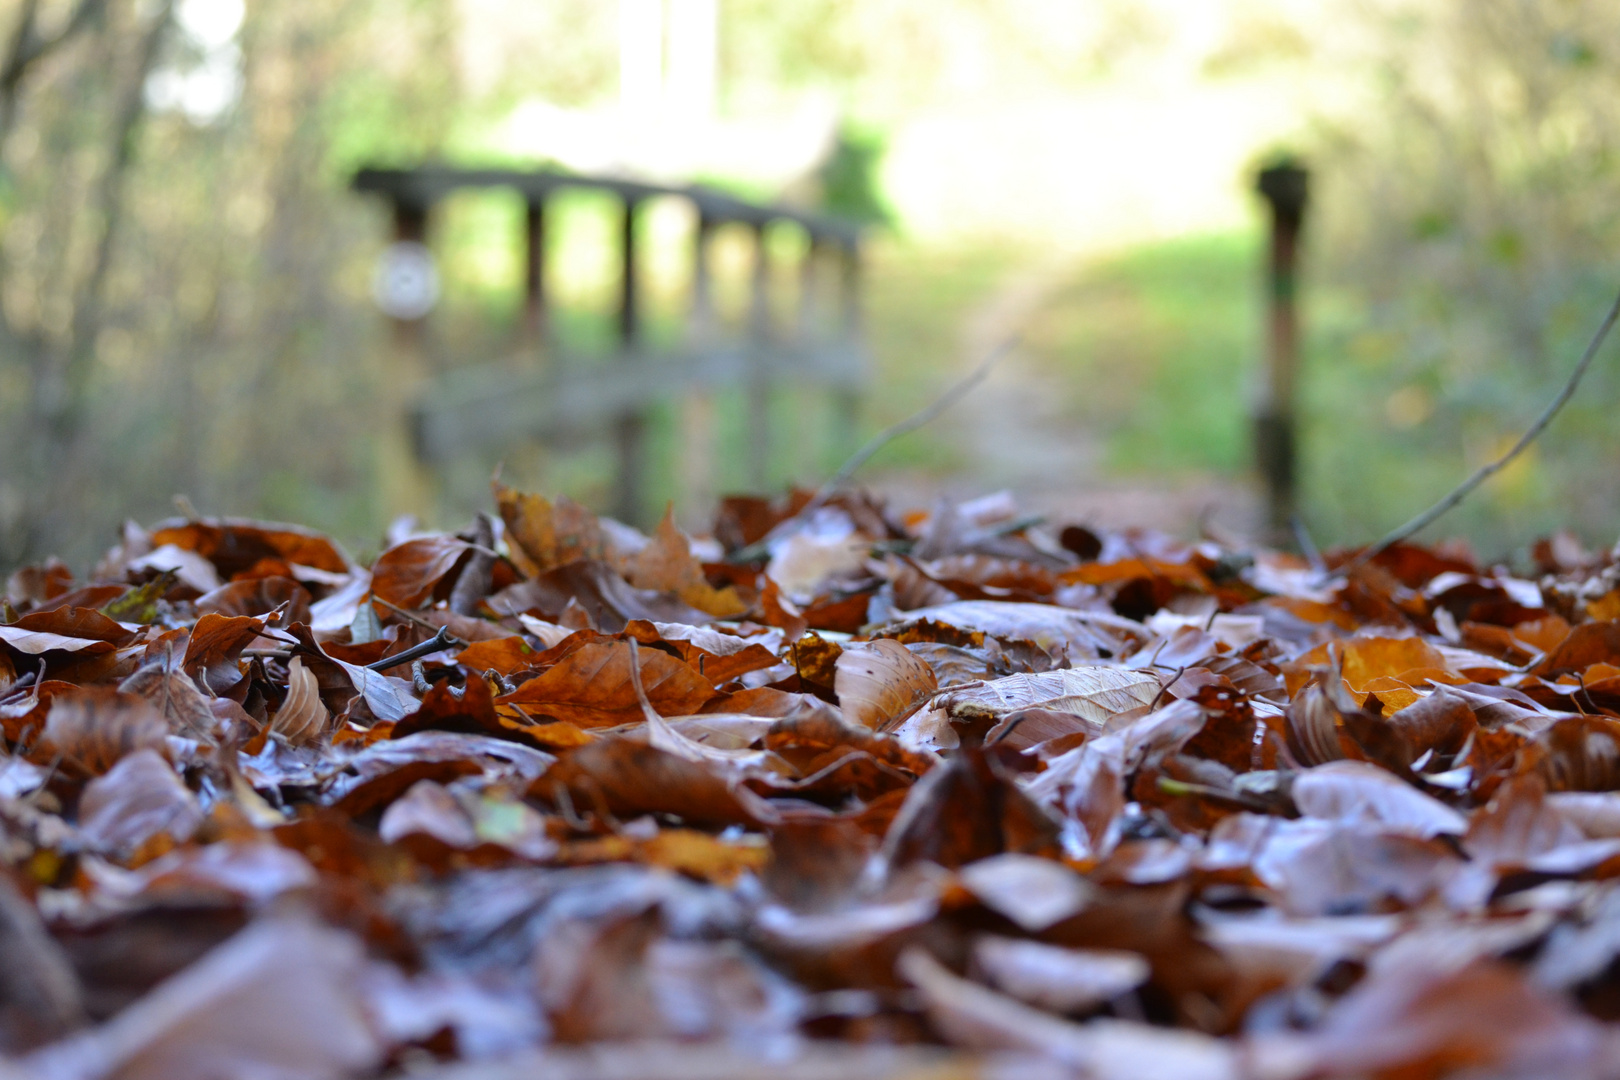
(1015, 433)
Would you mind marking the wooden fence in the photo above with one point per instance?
(467, 411)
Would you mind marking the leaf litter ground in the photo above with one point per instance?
(837, 793)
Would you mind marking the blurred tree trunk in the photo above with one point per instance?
(60, 365)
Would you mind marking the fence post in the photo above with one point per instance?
(759, 387)
(846, 399)
(630, 428)
(407, 486)
(410, 227)
(810, 313)
(535, 328)
(697, 462)
(1284, 187)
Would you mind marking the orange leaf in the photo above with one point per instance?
(668, 565)
(1366, 659)
(546, 535)
(591, 686)
(507, 655)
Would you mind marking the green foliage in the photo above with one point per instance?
(849, 178)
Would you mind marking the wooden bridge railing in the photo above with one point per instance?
(467, 411)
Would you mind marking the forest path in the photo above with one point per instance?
(1014, 431)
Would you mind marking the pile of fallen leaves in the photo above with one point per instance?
(833, 793)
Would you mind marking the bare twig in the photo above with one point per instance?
(956, 392)
(927, 413)
(408, 615)
(1486, 471)
(441, 641)
(1165, 689)
(1307, 546)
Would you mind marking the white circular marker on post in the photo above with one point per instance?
(405, 284)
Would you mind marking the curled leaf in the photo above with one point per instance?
(302, 718)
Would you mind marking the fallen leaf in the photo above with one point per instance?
(1409, 1021)
(302, 718)
(1095, 694)
(1033, 892)
(966, 810)
(406, 574)
(175, 696)
(977, 1017)
(626, 777)
(1058, 979)
(667, 565)
(880, 683)
(279, 999)
(546, 535)
(135, 800)
(1354, 791)
(591, 687)
(95, 728)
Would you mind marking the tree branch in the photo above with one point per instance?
(1486, 471)
(28, 48)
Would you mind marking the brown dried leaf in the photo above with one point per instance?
(1058, 979)
(627, 777)
(591, 687)
(1412, 1021)
(302, 719)
(406, 574)
(1356, 791)
(137, 799)
(175, 696)
(93, 728)
(235, 545)
(966, 810)
(282, 998)
(1588, 644)
(545, 535)
(219, 639)
(667, 564)
(978, 1018)
(505, 656)
(879, 683)
(1082, 634)
(1096, 694)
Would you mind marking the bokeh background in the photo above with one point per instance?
(185, 273)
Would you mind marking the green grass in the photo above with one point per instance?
(1155, 349)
